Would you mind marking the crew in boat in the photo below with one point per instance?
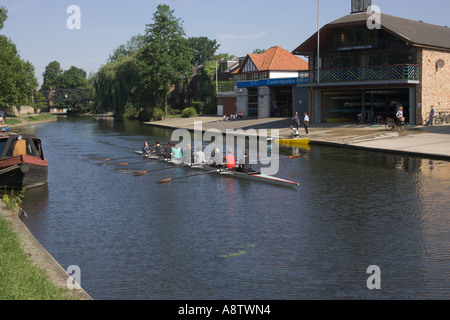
(176, 152)
(215, 161)
(230, 161)
(168, 150)
(188, 155)
(244, 163)
(146, 148)
(157, 149)
(199, 156)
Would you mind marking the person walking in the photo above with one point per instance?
(306, 123)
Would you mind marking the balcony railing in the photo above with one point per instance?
(377, 73)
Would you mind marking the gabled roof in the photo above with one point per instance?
(414, 32)
(275, 59)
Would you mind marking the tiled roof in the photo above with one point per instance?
(276, 59)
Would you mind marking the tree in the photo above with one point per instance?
(166, 57)
(3, 16)
(204, 49)
(116, 86)
(259, 51)
(17, 79)
(126, 50)
(73, 78)
(51, 75)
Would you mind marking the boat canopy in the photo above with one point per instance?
(20, 144)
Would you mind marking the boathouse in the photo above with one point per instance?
(264, 83)
(370, 64)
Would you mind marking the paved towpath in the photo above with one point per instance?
(433, 141)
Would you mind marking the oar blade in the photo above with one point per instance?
(164, 181)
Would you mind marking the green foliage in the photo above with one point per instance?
(145, 115)
(51, 76)
(40, 117)
(130, 112)
(3, 16)
(198, 105)
(13, 201)
(140, 74)
(20, 279)
(157, 114)
(166, 57)
(115, 86)
(259, 51)
(127, 50)
(204, 49)
(189, 112)
(17, 79)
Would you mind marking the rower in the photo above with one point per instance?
(199, 156)
(230, 161)
(188, 155)
(244, 163)
(157, 149)
(176, 152)
(168, 150)
(146, 148)
(215, 161)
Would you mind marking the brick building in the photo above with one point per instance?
(370, 71)
(264, 83)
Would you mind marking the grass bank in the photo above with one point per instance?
(29, 119)
(39, 117)
(20, 279)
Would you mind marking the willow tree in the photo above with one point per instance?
(115, 86)
(166, 57)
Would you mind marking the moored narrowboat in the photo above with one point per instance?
(22, 162)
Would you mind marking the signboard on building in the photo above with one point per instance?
(268, 82)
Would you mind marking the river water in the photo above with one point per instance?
(210, 237)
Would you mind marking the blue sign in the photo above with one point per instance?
(268, 82)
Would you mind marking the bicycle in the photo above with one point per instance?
(391, 125)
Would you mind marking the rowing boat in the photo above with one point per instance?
(254, 176)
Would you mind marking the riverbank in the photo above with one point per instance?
(29, 120)
(29, 272)
(432, 141)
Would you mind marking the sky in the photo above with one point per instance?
(39, 27)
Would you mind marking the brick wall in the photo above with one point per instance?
(434, 88)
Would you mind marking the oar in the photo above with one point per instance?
(138, 173)
(192, 175)
(287, 157)
(127, 163)
(105, 160)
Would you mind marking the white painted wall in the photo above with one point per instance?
(281, 75)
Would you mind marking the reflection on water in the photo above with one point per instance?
(210, 237)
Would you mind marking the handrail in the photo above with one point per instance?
(369, 73)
